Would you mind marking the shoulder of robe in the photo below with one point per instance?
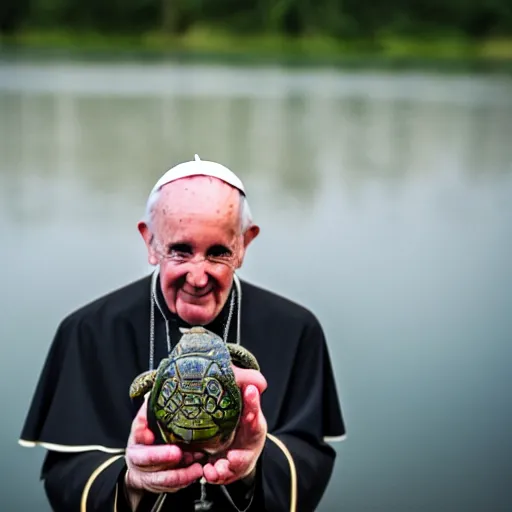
(105, 311)
(266, 303)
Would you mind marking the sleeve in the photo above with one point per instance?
(85, 481)
(297, 461)
(71, 416)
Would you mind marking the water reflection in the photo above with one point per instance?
(120, 145)
(385, 207)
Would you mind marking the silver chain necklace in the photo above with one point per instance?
(202, 504)
(154, 300)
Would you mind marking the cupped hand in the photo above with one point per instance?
(240, 459)
(156, 468)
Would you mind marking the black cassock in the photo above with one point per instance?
(82, 413)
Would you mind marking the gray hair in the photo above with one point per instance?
(245, 212)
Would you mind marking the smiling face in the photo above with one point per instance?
(196, 238)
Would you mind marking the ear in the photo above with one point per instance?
(250, 235)
(147, 236)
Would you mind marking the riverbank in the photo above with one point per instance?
(443, 53)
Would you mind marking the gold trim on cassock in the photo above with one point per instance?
(293, 471)
(115, 497)
(92, 478)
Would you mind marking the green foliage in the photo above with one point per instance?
(343, 20)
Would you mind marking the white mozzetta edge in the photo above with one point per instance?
(69, 449)
(335, 439)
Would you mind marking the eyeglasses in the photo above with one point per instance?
(180, 254)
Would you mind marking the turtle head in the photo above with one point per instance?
(194, 330)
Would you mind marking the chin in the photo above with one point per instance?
(196, 315)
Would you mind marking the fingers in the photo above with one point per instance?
(240, 460)
(146, 458)
(141, 434)
(210, 473)
(175, 478)
(165, 481)
(219, 473)
(166, 468)
(190, 457)
(251, 407)
(246, 377)
(158, 468)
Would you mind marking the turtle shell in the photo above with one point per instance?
(195, 400)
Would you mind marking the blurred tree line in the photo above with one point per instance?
(344, 19)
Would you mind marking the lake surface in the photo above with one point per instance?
(385, 203)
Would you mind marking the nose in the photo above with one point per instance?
(197, 276)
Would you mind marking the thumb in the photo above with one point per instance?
(245, 377)
(140, 433)
(251, 406)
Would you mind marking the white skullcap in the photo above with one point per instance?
(199, 167)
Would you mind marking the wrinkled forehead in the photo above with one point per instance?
(198, 199)
(201, 187)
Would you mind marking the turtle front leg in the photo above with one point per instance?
(241, 357)
(142, 383)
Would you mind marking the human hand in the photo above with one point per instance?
(156, 468)
(240, 459)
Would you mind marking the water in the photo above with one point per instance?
(385, 203)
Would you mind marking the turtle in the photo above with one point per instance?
(194, 400)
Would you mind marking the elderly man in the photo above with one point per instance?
(101, 453)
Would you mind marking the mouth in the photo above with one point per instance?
(195, 295)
